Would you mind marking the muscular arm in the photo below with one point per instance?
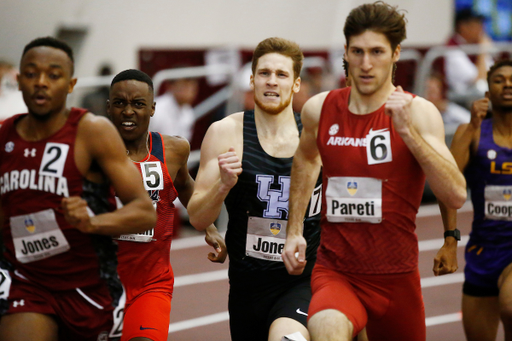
(420, 125)
(466, 137)
(218, 172)
(102, 143)
(305, 169)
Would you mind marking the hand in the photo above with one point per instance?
(214, 239)
(78, 214)
(479, 110)
(295, 264)
(398, 107)
(230, 167)
(445, 261)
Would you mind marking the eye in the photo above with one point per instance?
(29, 74)
(54, 76)
(139, 104)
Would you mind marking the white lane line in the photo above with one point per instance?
(201, 278)
(224, 316)
(433, 209)
(442, 319)
(435, 244)
(442, 280)
(190, 242)
(198, 322)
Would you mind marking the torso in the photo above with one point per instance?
(489, 176)
(372, 191)
(144, 258)
(35, 176)
(258, 208)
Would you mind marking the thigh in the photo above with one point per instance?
(28, 327)
(480, 317)
(248, 313)
(404, 318)
(148, 316)
(293, 303)
(332, 290)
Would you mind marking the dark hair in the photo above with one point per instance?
(281, 46)
(51, 42)
(467, 15)
(378, 17)
(133, 74)
(496, 66)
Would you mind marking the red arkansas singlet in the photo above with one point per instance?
(34, 178)
(144, 258)
(372, 188)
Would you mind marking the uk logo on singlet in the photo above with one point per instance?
(276, 199)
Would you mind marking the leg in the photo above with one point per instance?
(505, 300)
(28, 327)
(147, 318)
(330, 325)
(480, 317)
(285, 326)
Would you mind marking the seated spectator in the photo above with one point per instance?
(11, 100)
(174, 114)
(466, 74)
(96, 102)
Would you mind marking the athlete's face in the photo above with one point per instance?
(45, 80)
(130, 107)
(370, 61)
(273, 83)
(500, 88)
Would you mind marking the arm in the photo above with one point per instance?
(465, 138)
(305, 169)
(420, 125)
(218, 172)
(184, 185)
(98, 140)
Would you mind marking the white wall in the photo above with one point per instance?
(118, 28)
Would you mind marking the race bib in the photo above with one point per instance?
(378, 146)
(5, 284)
(354, 199)
(37, 236)
(498, 203)
(265, 238)
(144, 237)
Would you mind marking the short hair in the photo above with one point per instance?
(466, 15)
(51, 42)
(282, 46)
(132, 74)
(378, 17)
(496, 66)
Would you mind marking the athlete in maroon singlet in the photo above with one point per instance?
(56, 167)
(376, 144)
(144, 263)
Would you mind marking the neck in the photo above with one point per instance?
(502, 122)
(361, 104)
(138, 149)
(271, 124)
(35, 129)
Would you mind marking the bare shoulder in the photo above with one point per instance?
(225, 133)
(312, 109)
(425, 115)
(230, 123)
(176, 146)
(97, 130)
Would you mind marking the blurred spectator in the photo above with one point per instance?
(452, 113)
(174, 114)
(305, 93)
(96, 102)
(466, 74)
(11, 100)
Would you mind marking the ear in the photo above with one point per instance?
(396, 54)
(296, 85)
(487, 94)
(18, 80)
(251, 83)
(72, 84)
(153, 109)
(108, 108)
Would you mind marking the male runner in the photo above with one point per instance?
(483, 151)
(246, 161)
(50, 157)
(375, 143)
(144, 260)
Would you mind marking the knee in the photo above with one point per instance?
(329, 323)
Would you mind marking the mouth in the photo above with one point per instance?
(507, 94)
(366, 78)
(128, 125)
(271, 94)
(40, 98)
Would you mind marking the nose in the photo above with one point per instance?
(128, 110)
(272, 79)
(42, 80)
(366, 64)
